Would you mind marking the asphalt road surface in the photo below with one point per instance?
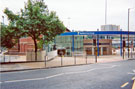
(115, 75)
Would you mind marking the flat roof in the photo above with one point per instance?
(98, 33)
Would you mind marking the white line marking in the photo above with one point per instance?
(90, 70)
(131, 73)
(18, 72)
(104, 64)
(23, 80)
(60, 74)
(54, 75)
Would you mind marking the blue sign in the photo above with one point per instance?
(86, 33)
(98, 33)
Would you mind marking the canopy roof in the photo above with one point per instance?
(98, 33)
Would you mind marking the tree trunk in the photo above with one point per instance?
(35, 43)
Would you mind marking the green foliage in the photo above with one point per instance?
(12, 32)
(40, 44)
(7, 37)
(37, 20)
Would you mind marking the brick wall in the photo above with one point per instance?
(26, 44)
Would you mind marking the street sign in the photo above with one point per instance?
(61, 52)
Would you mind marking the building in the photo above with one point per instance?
(27, 44)
(105, 46)
(82, 42)
(110, 27)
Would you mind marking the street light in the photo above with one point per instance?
(128, 28)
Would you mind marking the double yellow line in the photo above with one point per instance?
(125, 84)
(133, 87)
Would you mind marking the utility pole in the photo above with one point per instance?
(129, 27)
(98, 43)
(95, 49)
(128, 30)
(105, 12)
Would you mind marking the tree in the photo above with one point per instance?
(7, 37)
(17, 31)
(37, 22)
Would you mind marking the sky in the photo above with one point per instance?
(82, 15)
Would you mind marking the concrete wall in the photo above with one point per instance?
(52, 54)
(30, 56)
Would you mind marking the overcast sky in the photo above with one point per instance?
(83, 15)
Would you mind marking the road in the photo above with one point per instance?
(115, 75)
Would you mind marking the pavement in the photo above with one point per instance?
(58, 62)
(112, 75)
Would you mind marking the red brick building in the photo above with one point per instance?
(26, 44)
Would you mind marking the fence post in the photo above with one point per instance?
(8, 58)
(31, 54)
(86, 59)
(45, 61)
(95, 54)
(61, 61)
(75, 59)
(4, 57)
(134, 52)
(123, 52)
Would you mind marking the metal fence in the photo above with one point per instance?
(82, 58)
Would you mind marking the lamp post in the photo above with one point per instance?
(128, 30)
(105, 12)
(98, 43)
(129, 27)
